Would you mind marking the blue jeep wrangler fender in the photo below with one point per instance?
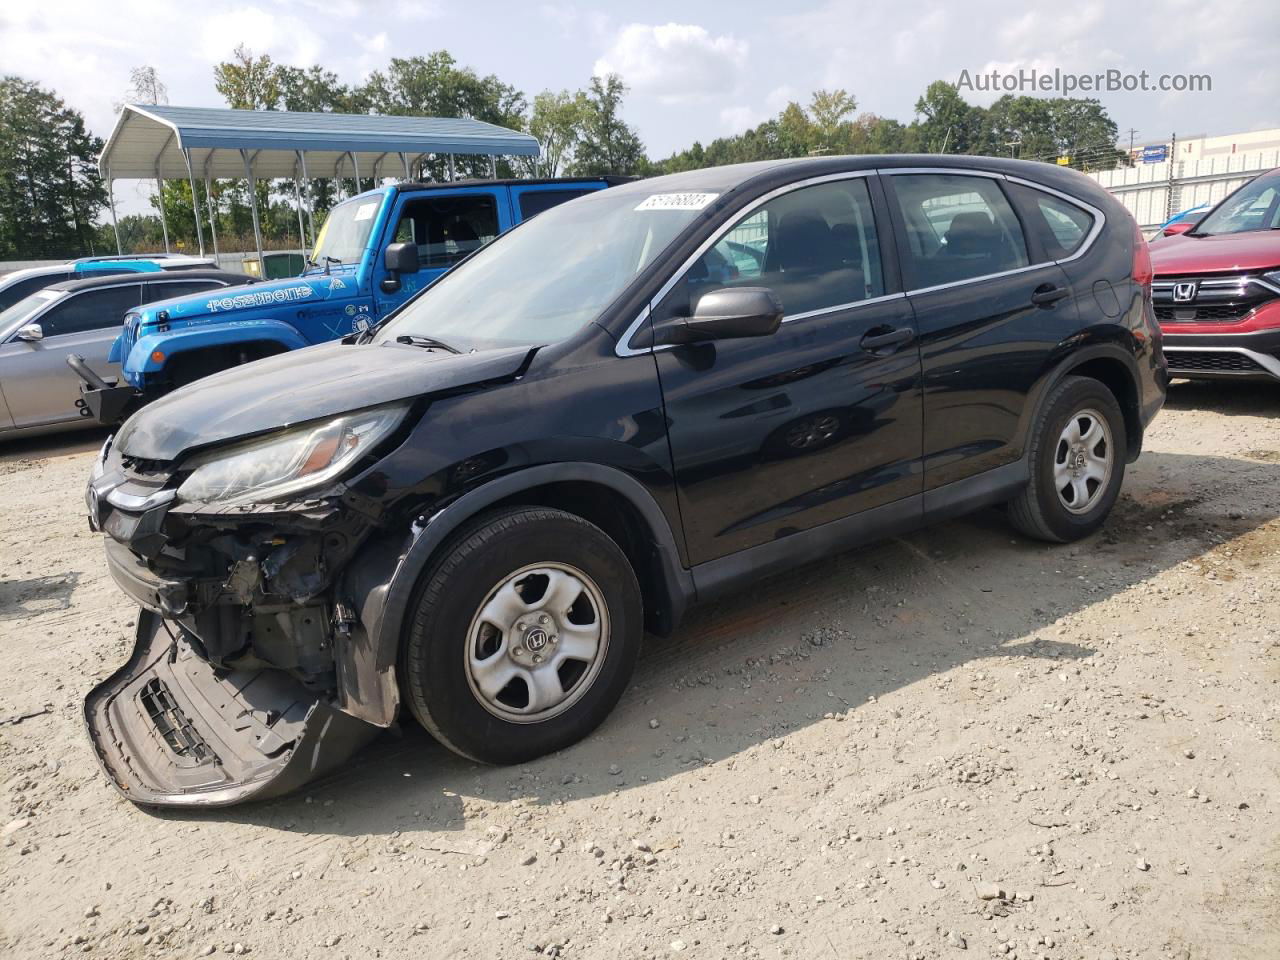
(175, 344)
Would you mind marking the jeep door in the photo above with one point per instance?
(777, 434)
(39, 386)
(991, 309)
(447, 226)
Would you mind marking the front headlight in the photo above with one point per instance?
(273, 467)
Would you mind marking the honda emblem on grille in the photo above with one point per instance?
(1184, 292)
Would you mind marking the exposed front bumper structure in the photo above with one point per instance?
(172, 730)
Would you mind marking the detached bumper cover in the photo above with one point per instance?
(170, 730)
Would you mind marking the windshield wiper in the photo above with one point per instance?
(415, 340)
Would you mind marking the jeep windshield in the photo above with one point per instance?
(345, 232)
(1255, 206)
(546, 279)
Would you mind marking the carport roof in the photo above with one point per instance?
(150, 140)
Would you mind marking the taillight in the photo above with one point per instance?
(1142, 270)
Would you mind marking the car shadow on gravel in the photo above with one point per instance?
(828, 638)
(1245, 398)
(20, 599)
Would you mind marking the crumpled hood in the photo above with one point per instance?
(1251, 250)
(310, 384)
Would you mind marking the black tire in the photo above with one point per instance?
(1038, 511)
(468, 568)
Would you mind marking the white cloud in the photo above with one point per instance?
(676, 62)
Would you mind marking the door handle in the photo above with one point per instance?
(1046, 295)
(889, 338)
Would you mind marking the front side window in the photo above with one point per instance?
(345, 232)
(447, 229)
(816, 248)
(957, 228)
(91, 310)
(1255, 206)
(21, 312)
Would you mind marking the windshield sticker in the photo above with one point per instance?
(677, 201)
(365, 211)
(259, 298)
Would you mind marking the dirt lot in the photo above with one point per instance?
(835, 765)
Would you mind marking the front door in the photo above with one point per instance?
(989, 315)
(821, 420)
(447, 226)
(38, 385)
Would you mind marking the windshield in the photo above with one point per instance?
(17, 314)
(547, 279)
(1255, 206)
(345, 232)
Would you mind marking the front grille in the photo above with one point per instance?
(1226, 313)
(172, 723)
(1213, 299)
(129, 336)
(1212, 361)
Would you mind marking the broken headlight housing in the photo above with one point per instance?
(283, 464)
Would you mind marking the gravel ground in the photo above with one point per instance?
(954, 741)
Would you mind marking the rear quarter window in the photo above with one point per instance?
(1059, 225)
(534, 202)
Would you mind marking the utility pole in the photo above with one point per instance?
(1012, 145)
(1132, 131)
(1168, 194)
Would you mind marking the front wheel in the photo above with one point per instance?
(524, 637)
(1077, 454)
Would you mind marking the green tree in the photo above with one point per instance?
(50, 191)
(248, 82)
(556, 122)
(947, 123)
(606, 143)
(830, 110)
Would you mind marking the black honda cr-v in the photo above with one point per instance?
(640, 399)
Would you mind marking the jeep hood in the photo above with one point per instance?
(254, 296)
(309, 384)
(1182, 255)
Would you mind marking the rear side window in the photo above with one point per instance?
(533, 202)
(447, 229)
(816, 248)
(1059, 225)
(91, 310)
(168, 289)
(22, 288)
(957, 228)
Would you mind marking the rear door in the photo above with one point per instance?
(447, 227)
(773, 435)
(990, 309)
(38, 385)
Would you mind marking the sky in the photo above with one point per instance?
(696, 70)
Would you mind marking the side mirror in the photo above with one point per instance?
(31, 332)
(726, 314)
(399, 258)
(1173, 229)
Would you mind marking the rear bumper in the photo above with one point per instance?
(171, 730)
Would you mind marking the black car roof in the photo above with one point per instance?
(768, 173)
(135, 276)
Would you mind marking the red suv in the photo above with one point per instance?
(1217, 287)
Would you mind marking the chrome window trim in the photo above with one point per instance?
(623, 347)
(1268, 363)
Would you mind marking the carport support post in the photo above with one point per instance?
(213, 229)
(311, 204)
(253, 207)
(297, 196)
(164, 224)
(355, 166)
(404, 162)
(493, 167)
(195, 204)
(452, 172)
(111, 200)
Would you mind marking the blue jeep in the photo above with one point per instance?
(372, 254)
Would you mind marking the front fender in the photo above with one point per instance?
(142, 360)
(382, 582)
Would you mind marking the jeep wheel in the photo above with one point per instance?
(1077, 463)
(524, 635)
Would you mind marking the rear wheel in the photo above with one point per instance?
(524, 637)
(1077, 463)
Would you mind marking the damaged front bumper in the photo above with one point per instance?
(252, 670)
(172, 730)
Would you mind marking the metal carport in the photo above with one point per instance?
(208, 143)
